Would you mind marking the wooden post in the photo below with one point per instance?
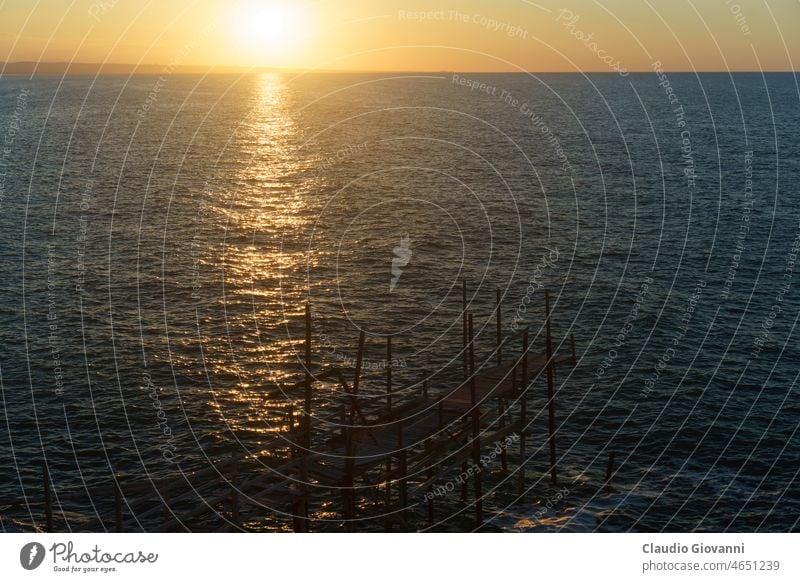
(303, 505)
(525, 379)
(503, 454)
(307, 386)
(464, 322)
(523, 413)
(465, 482)
(359, 363)
(117, 506)
(476, 464)
(499, 321)
(572, 341)
(387, 521)
(349, 495)
(389, 374)
(425, 387)
(551, 399)
(471, 363)
(472, 398)
(404, 484)
(387, 524)
(48, 504)
(476, 429)
(403, 468)
(514, 386)
(297, 523)
(610, 472)
(429, 475)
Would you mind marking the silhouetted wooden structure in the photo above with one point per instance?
(421, 435)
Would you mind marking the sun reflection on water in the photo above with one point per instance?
(263, 240)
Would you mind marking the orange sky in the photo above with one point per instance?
(464, 35)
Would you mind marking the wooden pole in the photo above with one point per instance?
(307, 423)
(503, 454)
(404, 484)
(403, 467)
(551, 399)
(297, 523)
(499, 321)
(525, 379)
(298, 509)
(389, 374)
(359, 362)
(464, 322)
(117, 506)
(476, 429)
(387, 524)
(48, 504)
(572, 341)
(476, 463)
(349, 494)
(307, 385)
(610, 472)
(514, 379)
(523, 413)
(465, 482)
(473, 397)
(429, 475)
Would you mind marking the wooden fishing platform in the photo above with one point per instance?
(418, 439)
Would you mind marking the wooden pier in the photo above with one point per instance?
(362, 461)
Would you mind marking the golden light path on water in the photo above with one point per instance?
(265, 219)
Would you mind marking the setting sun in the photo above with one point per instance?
(268, 30)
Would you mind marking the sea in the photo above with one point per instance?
(161, 236)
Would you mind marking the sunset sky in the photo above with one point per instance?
(464, 35)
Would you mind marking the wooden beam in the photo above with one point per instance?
(499, 322)
(523, 420)
(464, 323)
(389, 373)
(551, 398)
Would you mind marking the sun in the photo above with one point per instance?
(269, 32)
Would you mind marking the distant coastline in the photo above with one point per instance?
(65, 68)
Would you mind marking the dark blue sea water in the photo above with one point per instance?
(160, 235)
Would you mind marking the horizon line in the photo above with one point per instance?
(34, 68)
